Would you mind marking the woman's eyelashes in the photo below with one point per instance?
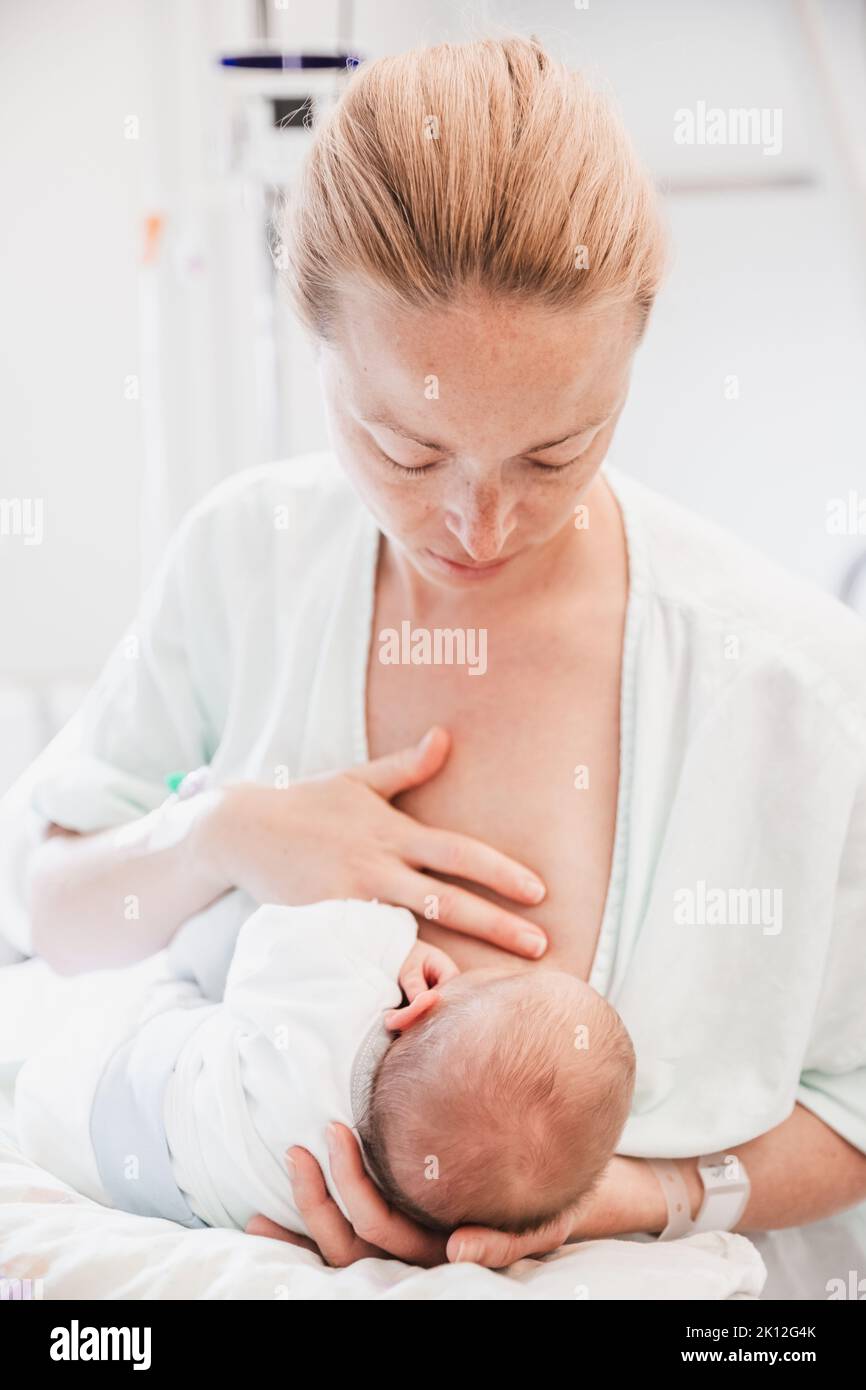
(420, 469)
(402, 469)
(555, 467)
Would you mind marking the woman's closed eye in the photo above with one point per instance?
(555, 467)
(404, 469)
(420, 469)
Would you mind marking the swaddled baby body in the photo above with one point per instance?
(496, 1097)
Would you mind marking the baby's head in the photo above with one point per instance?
(502, 1105)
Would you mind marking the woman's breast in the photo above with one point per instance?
(533, 771)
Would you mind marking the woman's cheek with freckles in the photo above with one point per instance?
(396, 504)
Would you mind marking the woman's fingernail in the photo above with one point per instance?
(426, 740)
(533, 943)
(533, 889)
(290, 1168)
(468, 1252)
(331, 1138)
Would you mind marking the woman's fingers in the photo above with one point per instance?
(387, 1231)
(372, 1218)
(408, 767)
(465, 912)
(263, 1226)
(460, 856)
(337, 1242)
(481, 1245)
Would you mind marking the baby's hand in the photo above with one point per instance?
(425, 967)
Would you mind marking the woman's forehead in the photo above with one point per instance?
(557, 378)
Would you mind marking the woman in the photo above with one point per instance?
(641, 752)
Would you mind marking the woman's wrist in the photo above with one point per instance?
(659, 1213)
(627, 1199)
(630, 1200)
(213, 842)
(644, 1209)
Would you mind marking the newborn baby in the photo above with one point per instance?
(501, 1100)
(494, 1097)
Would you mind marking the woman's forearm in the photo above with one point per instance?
(116, 896)
(801, 1171)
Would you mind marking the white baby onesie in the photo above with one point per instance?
(292, 1047)
(187, 1111)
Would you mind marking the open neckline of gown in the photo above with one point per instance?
(603, 957)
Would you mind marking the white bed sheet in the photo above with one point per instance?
(81, 1250)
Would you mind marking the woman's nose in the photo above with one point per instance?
(482, 525)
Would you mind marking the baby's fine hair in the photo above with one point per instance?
(502, 1106)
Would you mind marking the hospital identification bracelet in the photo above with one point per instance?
(726, 1195)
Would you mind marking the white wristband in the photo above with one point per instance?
(726, 1194)
(676, 1198)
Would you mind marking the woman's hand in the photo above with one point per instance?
(338, 836)
(376, 1230)
(626, 1199)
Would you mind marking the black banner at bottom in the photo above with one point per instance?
(253, 1337)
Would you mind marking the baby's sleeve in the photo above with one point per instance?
(330, 958)
(833, 1079)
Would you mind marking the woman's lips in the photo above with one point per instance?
(469, 571)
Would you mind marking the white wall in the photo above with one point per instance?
(69, 336)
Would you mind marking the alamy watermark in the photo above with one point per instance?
(24, 517)
(21, 1290)
(729, 907)
(846, 516)
(77, 1343)
(853, 1288)
(438, 646)
(738, 125)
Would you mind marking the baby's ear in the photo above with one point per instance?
(398, 1020)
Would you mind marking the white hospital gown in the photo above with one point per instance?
(742, 768)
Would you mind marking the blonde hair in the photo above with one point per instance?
(479, 166)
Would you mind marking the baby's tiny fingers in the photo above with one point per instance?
(413, 982)
(439, 968)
